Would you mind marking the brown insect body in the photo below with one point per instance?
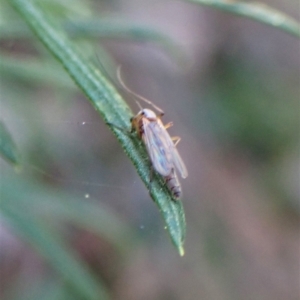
(173, 185)
(160, 146)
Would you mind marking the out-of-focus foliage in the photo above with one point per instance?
(8, 149)
(77, 223)
(257, 11)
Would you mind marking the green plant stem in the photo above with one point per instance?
(109, 104)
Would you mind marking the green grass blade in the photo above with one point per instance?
(256, 11)
(109, 104)
(8, 149)
(54, 250)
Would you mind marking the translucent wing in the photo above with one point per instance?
(162, 150)
(158, 146)
(178, 162)
(176, 158)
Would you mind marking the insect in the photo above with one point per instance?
(160, 146)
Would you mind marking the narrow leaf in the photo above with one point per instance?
(257, 11)
(109, 104)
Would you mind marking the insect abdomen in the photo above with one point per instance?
(173, 185)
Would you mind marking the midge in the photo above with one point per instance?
(160, 146)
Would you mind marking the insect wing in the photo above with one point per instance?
(158, 146)
(177, 160)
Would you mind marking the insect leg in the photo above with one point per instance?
(176, 139)
(168, 125)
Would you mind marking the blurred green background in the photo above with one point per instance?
(76, 221)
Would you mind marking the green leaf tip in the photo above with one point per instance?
(174, 217)
(181, 251)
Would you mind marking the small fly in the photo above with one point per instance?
(160, 146)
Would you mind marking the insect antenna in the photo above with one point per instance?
(109, 77)
(116, 82)
(126, 88)
(139, 104)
